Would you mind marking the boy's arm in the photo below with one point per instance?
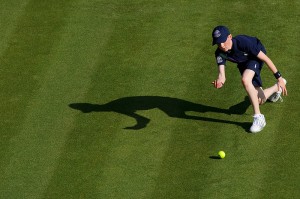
(218, 83)
(262, 56)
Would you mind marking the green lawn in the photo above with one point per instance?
(142, 71)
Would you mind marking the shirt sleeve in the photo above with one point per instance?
(220, 58)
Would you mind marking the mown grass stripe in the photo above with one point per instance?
(106, 146)
(35, 144)
(24, 59)
(90, 32)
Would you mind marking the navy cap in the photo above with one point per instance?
(220, 34)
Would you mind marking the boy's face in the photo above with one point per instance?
(226, 45)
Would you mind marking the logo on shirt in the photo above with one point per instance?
(219, 59)
(217, 33)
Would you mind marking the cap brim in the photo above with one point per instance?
(219, 40)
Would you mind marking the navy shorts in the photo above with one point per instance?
(254, 65)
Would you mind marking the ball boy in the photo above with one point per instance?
(249, 54)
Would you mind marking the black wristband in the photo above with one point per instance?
(277, 75)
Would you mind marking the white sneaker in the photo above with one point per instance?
(277, 95)
(259, 123)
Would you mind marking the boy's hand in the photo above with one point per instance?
(282, 85)
(217, 83)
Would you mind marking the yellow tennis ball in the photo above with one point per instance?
(221, 154)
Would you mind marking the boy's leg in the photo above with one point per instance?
(252, 83)
(261, 95)
(251, 90)
(269, 91)
(255, 94)
(265, 94)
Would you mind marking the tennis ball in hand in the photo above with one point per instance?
(221, 154)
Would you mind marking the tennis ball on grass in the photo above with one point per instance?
(221, 154)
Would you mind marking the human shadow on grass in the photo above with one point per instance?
(173, 107)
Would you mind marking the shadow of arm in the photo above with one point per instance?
(141, 122)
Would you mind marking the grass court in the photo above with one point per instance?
(113, 99)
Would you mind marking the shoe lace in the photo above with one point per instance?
(257, 121)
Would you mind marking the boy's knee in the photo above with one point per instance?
(246, 81)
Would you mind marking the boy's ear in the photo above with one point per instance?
(230, 36)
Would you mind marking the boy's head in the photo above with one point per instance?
(220, 34)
